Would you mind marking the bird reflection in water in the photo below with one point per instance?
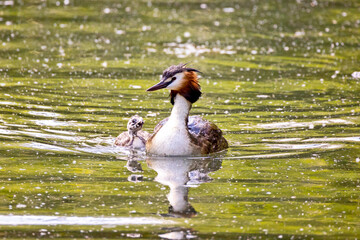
(179, 174)
(134, 166)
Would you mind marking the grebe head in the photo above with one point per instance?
(135, 124)
(180, 79)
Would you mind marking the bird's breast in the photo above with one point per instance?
(138, 143)
(171, 140)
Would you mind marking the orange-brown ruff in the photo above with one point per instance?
(187, 87)
(180, 134)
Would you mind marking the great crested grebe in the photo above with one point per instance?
(179, 134)
(134, 137)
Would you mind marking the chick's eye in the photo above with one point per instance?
(173, 78)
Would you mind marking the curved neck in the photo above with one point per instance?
(131, 133)
(181, 109)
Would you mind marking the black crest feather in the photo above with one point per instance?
(175, 69)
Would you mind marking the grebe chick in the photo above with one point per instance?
(180, 134)
(134, 137)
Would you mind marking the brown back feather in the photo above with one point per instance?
(123, 139)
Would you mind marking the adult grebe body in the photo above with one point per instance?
(179, 134)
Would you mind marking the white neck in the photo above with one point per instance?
(181, 109)
(173, 138)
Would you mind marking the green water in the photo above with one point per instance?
(277, 79)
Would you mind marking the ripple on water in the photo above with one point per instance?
(55, 123)
(333, 139)
(305, 146)
(86, 221)
(119, 152)
(44, 114)
(37, 134)
(271, 155)
(6, 132)
(324, 139)
(43, 146)
(38, 106)
(15, 125)
(282, 140)
(60, 132)
(293, 124)
(7, 103)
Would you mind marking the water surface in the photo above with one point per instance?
(279, 78)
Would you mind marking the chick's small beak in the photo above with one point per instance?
(160, 85)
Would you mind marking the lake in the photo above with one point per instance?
(280, 78)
